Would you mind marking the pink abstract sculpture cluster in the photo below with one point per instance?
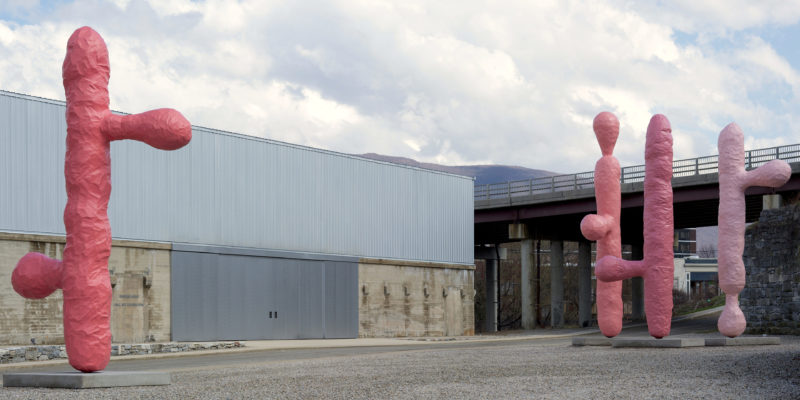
(657, 266)
(733, 181)
(603, 227)
(83, 274)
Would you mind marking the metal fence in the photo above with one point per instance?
(585, 180)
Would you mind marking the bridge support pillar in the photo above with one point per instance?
(771, 201)
(637, 287)
(584, 284)
(528, 281)
(492, 255)
(557, 284)
(491, 294)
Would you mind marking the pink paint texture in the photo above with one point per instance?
(83, 274)
(603, 227)
(657, 266)
(733, 181)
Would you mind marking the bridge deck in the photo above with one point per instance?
(689, 172)
(556, 212)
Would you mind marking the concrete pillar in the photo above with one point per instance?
(528, 281)
(491, 294)
(771, 201)
(637, 287)
(557, 284)
(584, 284)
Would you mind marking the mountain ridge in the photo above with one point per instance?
(483, 174)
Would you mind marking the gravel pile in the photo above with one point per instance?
(529, 369)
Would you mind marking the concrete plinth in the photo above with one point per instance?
(658, 343)
(591, 341)
(744, 341)
(80, 380)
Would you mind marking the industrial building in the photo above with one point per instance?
(235, 237)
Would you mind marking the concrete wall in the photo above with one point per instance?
(140, 277)
(421, 299)
(771, 297)
(399, 299)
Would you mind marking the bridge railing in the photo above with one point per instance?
(585, 180)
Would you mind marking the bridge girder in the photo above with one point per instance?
(694, 206)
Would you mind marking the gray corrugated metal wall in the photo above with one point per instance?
(225, 294)
(234, 190)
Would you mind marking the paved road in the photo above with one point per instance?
(541, 368)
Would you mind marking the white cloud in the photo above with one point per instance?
(719, 17)
(167, 7)
(447, 82)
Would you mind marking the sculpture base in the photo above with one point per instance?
(591, 341)
(658, 343)
(80, 380)
(744, 341)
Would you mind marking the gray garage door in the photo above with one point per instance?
(237, 294)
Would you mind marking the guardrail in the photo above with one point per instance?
(585, 180)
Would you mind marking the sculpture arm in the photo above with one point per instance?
(595, 227)
(772, 174)
(36, 276)
(164, 128)
(612, 269)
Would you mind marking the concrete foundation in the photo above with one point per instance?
(79, 380)
(413, 299)
(658, 343)
(557, 284)
(744, 341)
(140, 280)
(422, 298)
(675, 342)
(591, 341)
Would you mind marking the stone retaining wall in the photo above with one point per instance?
(771, 297)
(140, 281)
(411, 299)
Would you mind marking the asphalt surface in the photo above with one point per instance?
(522, 367)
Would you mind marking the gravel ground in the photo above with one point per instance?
(528, 369)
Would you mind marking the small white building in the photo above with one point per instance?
(692, 274)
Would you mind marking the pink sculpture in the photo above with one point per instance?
(83, 273)
(657, 266)
(603, 227)
(733, 181)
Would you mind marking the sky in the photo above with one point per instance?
(451, 82)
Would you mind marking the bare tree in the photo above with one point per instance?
(707, 251)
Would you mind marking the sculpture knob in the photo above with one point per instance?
(606, 128)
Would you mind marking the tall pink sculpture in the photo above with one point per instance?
(733, 181)
(657, 266)
(603, 227)
(83, 273)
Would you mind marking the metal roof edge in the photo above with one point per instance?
(254, 138)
